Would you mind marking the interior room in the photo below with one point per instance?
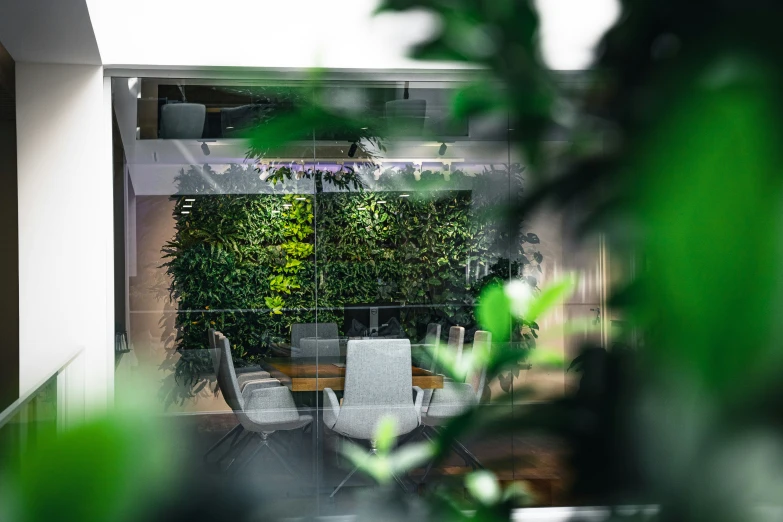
(269, 264)
(393, 260)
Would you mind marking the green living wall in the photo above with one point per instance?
(244, 261)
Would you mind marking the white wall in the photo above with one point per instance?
(65, 223)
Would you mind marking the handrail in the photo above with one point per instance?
(8, 413)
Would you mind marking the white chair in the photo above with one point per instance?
(261, 411)
(456, 341)
(433, 339)
(378, 383)
(455, 398)
(319, 330)
(256, 379)
(454, 347)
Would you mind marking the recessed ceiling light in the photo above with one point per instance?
(187, 206)
(190, 199)
(186, 212)
(404, 195)
(381, 202)
(287, 205)
(229, 128)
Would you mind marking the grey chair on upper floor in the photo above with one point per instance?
(455, 398)
(317, 330)
(378, 384)
(254, 379)
(261, 411)
(317, 347)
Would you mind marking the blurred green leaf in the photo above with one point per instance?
(411, 456)
(484, 487)
(494, 312)
(542, 358)
(552, 295)
(384, 435)
(95, 472)
(711, 186)
(375, 466)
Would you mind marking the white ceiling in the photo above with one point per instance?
(340, 34)
(256, 33)
(309, 33)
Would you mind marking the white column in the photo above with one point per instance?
(65, 224)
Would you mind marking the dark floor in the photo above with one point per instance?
(535, 461)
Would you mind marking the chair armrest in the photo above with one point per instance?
(251, 376)
(248, 369)
(418, 400)
(258, 383)
(331, 408)
(451, 400)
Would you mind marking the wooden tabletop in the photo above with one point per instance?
(307, 374)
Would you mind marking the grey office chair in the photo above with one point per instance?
(456, 341)
(244, 375)
(320, 330)
(454, 347)
(255, 379)
(378, 384)
(456, 398)
(261, 411)
(317, 347)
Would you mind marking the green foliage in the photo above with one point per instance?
(674, 156)
(487, 497)
(94, 472)
(495, 312)
(386, 463)
(344, 179)
(245, 263)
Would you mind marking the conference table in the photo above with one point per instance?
(309, 374)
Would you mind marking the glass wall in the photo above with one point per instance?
(323, 229)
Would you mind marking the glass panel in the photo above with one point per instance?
(33, 422)
(385, 223)
(213, 244)
(410, 253)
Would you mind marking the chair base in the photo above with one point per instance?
(265, 444)
(373, 452)
(457, 447)
(236, 432)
